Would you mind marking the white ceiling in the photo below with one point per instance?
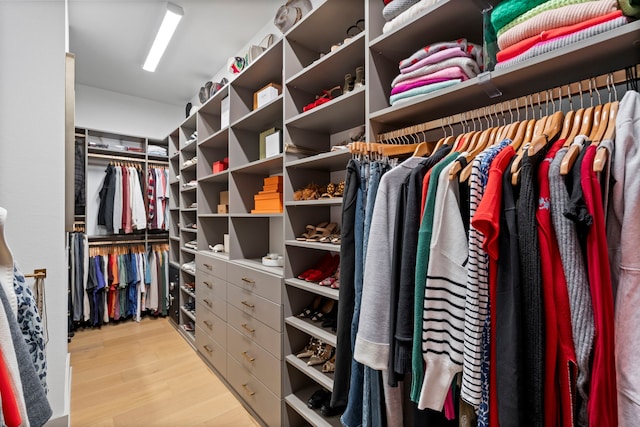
(111, 38)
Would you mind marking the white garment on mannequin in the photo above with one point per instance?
(6, 265)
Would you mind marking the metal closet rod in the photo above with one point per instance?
(116, 158)
(575, 88)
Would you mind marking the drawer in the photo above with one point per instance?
(208, 286)
(212, 325)
(255, 359)
(247, 325)
(252, 391)
(212, 351)
(264, 310)
(263, 284)
(211, 265)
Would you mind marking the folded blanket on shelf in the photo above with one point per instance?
(526, 44)
(408, 15)
(468, 66)
(442, 75)
(454, 52)
(558, 42)
(442, 55)
(396, 7)
(556, 18)
(509, 10)
(548, 5)
(423, 90)
(432, 49)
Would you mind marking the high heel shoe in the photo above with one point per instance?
(359, 81)
(324, 263)
(310, 349)
(322, 274)
(349, 80)
(324, 353)
(311, 309)
(324, 311)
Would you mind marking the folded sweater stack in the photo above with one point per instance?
(435, 67)
(406, 14)
(529, 28)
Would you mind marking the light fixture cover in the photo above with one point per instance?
(172, 17)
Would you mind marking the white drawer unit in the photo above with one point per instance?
(211, 292)
(268, 338)
(255, 359)
(212, 351)
(263, 284)
(212, 325)
(264, 310)
(267, 405)
(211, 265)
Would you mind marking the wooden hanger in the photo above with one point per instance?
(598, 131)
(393, 150)
(424, 149)
(480, 145)
(518, 138)
(552, 128)
(571, 156)
(601, 155)
(596, 121)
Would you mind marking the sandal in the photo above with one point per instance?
(331, 189)
(322, 354)
(330, 365)
(310, 231)
(339, 190)
(321, 232)
(310, 349)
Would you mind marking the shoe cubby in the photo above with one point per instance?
(211, 232)
(314, 36)
(212, 150)
(209, 190)
(254, 236)
(263, 71)
(298, 412)
(209, 121)
(299, 341)
(174, 249)
(248, 182)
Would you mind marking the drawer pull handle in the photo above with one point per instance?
(209, 325)
(209, 349)
(248, 329)
(247, 280)
(207, 265)
(208, 285)
(246, 356)
(206, 301)
(246, 304)
(247, 390)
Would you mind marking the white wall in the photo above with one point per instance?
(32, 187)
(105, 110)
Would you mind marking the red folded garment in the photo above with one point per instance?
(526, 44)
(386, 2)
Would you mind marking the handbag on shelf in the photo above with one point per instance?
(290, 13)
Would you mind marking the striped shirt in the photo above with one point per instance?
(444, 298)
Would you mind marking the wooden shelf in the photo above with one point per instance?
(216, 177)
(332, 161)
(257, 264)
(325, 291)
(189, 230)
(213, 215)
(219, 139)
(268, 166)
(250, 215)
(186, 190)
(220, 255)
(332, 201)
(265, 69)
(188, 314)
(188, 292)
(298, 402)
(313, 372)
(188, 168)
(614, 49)
(313, 245)
(187, 250)
(265, 117)
(341, 113)
(310, 328)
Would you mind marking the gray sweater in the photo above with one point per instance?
(582, 323)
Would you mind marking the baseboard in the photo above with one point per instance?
(65, 419)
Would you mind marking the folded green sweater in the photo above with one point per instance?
(509, 10)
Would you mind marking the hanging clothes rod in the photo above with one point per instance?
(116, 242)
(597, 82)
(115, 157)
(38, 273)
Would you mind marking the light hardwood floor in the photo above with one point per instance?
(146, 374)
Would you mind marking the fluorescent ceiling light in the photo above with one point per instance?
(171, 19)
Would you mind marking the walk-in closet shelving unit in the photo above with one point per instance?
(238, 326)
(174, 198)
(120, 148)
(311, 67)
(238, 340)
(187, 225)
